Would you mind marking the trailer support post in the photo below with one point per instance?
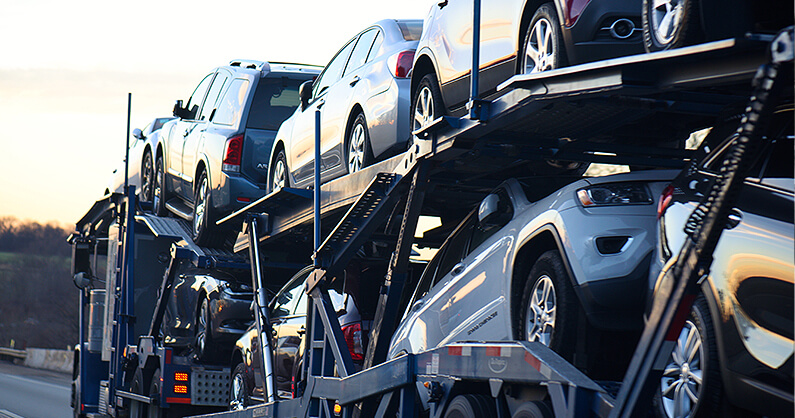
(261, 303)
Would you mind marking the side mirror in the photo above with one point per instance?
(137, 134)
(488, 208)
(305, 93)
(81, 263)
(180, 111)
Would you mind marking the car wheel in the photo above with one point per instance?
(205, 233)
(669, 24)
(203, 341)
(691, 385)
(147, 178)
(549, 306)
(359, 151)
(533, 409)
(279, 175)
(240, 389)
(470, 406)
(542, 49)
(137, 409)
(427, 103)
(159, 194)
(154, 410)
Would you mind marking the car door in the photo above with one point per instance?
(192, 144)
(288, 319)
(176, 139)
(301, 153)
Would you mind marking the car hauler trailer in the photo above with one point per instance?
(570, 115)
(622, 111)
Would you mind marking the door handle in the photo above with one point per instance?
(734, 218)
(186, 133)
(441, 4)
(458, 268)
(354, 80)
(301, 331)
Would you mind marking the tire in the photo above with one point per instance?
(205, 348)
(159, 193)
(692, 360)
(240, 387)
(427, 104)
(542, 47)
(470, 406)
(280, 174)
(672, 24)
(205, 233)
(137, 409)
(147, 178)
(359, 151)
(154, 410)
(549, 308)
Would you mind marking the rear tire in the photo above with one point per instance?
(672, 24)
(359, 151)
(427, 102)
(534, 409)
(542, 47)
(205, 233)
(137, 409)
(154, 410)
(240, 387)
(470, 406)
(147, 178)
(280, 174)
(205, 346)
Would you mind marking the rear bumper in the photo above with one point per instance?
(589, 39)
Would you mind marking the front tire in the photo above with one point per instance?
(542, 48)
(549, 308)
(691, 384)
(240, 387)
(360, 153)
(669, 24)
(205, 346)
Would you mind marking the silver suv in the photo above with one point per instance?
(213, 159)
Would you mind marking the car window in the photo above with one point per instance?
(274, 101)
(455, 248)
(360, 51)
(379, 40)
(230, 108)
(197, 97)
(411, 31)
(333, 70)
(426, 280)
(483, 230)
(159, 122)
(287, 298)
(212, 96)
(778, 169)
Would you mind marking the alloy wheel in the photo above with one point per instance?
(356, 149)
(665, 16)
(237, 402)
(541, 311)
(540, 47)
(200, 211)
(423, 110)
(681, 383)
(279, 175)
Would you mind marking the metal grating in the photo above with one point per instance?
(104, 393)
(210, 387)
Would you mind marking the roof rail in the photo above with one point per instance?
(254, 65)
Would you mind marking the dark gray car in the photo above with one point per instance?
(213, 159)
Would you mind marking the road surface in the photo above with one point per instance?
(33, 393)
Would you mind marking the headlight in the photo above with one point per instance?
(235, 288)
(615, 194)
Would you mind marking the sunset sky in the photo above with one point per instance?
(66, 69)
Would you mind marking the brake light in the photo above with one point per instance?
(353, 337)
(400, 64)
(233, 154)
(665, 200)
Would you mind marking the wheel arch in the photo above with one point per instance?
(355, 110)
(542, 240)
(424, 65)
(528, 10)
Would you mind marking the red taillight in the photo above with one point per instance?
(233, 153)
(665, 200)
(400, 64)
(353, 336)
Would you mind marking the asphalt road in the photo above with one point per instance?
(33, 393)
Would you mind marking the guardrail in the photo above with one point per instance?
(10, 352)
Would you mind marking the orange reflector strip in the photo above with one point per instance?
(183, 389)
(181, 377)
(178, 400)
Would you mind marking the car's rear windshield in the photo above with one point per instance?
(411, 29)
(274, 101)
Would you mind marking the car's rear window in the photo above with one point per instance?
(411, 30)
(274, 101)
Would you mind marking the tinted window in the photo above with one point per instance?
(780, 162)
(274, 101)
(159, 123)
(212, 96)
(359, 54)
(455, 249)
(286, 300)
(411, 31)
(231, 106)
(333, 70)
(197, 97)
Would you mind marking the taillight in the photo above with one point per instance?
(233, 154)
(353, 337)
(665, 200)
(400, 64)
